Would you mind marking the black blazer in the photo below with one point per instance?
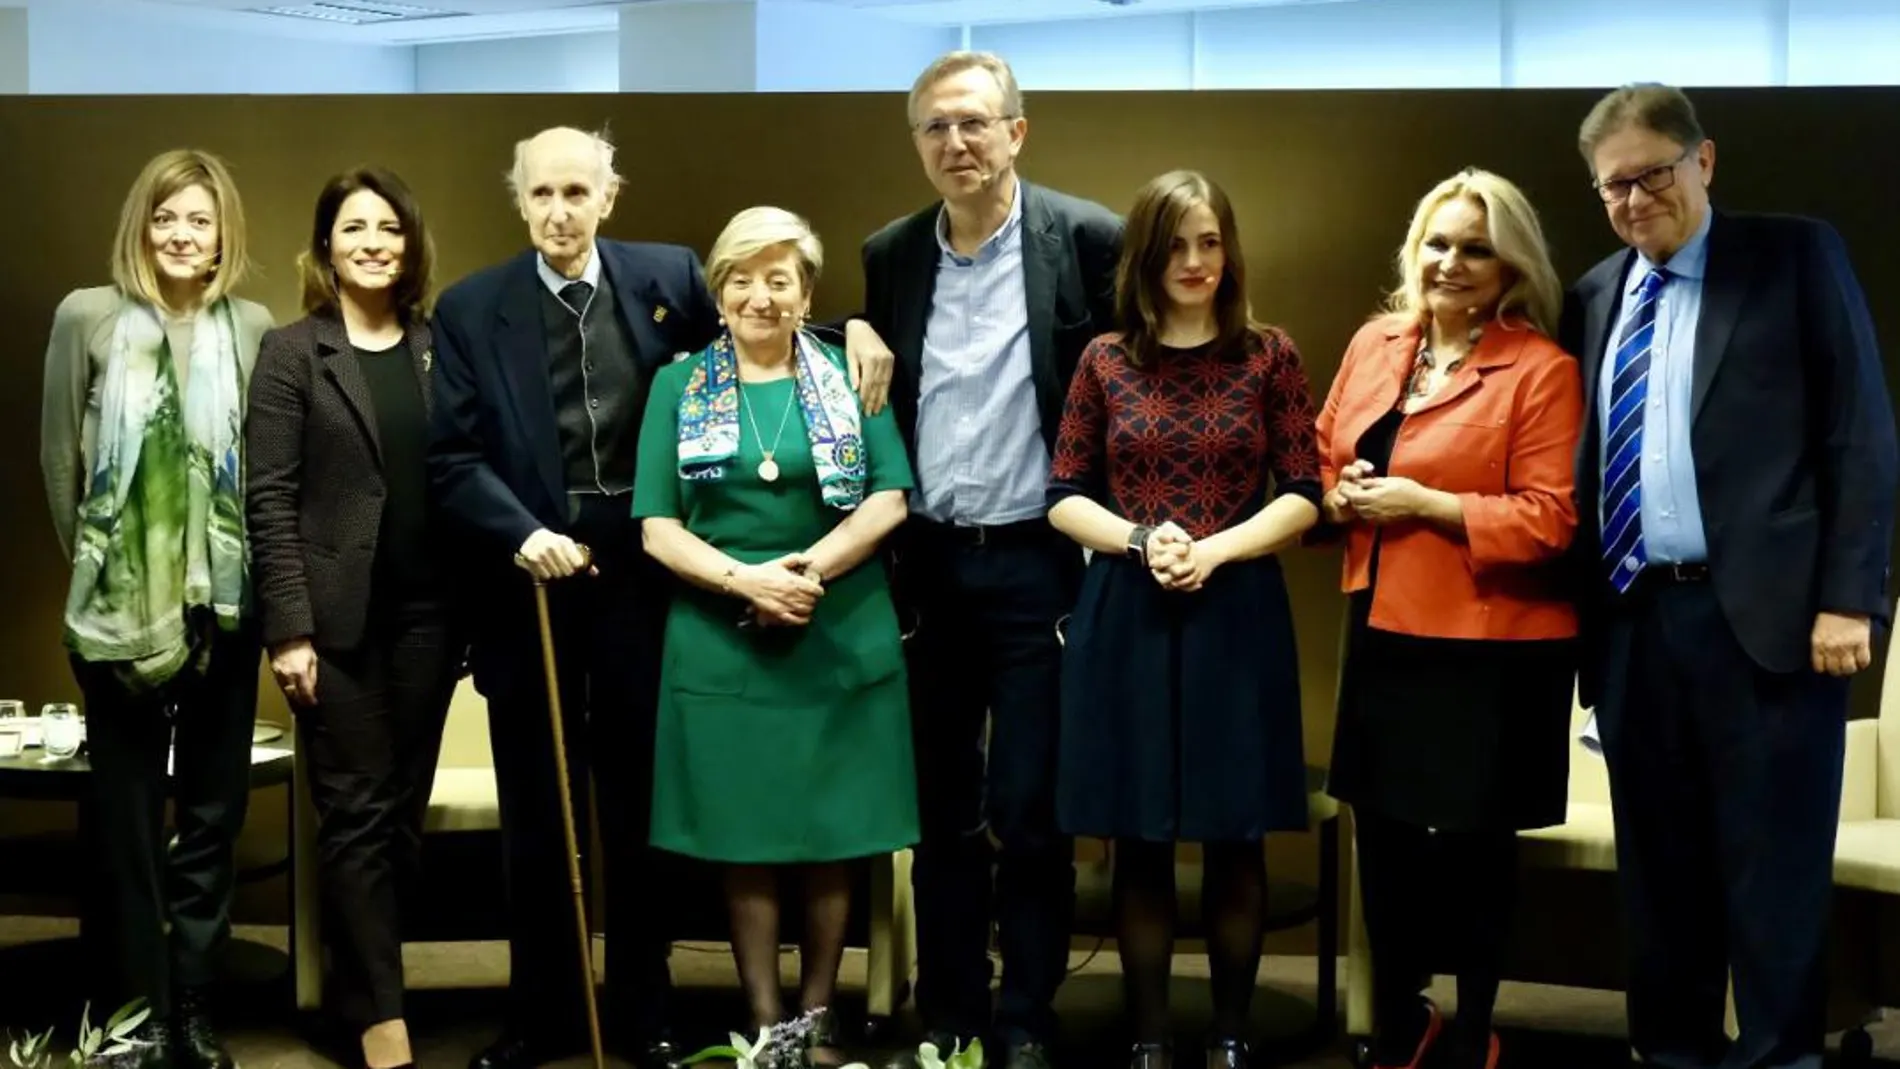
(495, 450)
(1070, 251)
(314, 480)
(1792, 430)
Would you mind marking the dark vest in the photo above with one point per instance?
(600, 391)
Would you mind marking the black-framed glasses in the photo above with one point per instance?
(969, 128)
(1654, 180)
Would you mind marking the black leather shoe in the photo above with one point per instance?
(659, 1054)
(1227, 1054)
(1026, 1056)
(516, 1052)
(195, 1043)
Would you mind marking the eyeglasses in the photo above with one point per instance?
(1654, 180)
(972, 128)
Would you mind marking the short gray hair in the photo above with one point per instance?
(956, 63)
(603, 148)
(1661, 109)
(755, 230)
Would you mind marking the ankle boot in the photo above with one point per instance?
(195, 1043)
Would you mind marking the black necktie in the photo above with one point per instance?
(575, 295)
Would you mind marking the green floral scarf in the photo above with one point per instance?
(160, 558)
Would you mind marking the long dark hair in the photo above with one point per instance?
(411, 293)
(1141, 299)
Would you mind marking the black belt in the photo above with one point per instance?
(1697, 572)
(965, 535)
(1661, 574)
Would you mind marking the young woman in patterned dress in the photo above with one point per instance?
(1185, 461)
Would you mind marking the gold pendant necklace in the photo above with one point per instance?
(768, 468)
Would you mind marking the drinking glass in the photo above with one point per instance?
(60, 729)
(12, 728)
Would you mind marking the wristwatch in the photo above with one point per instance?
(1138, 543)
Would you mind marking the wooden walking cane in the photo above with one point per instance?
(567, 814)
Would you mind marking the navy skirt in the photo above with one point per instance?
(1181, 711)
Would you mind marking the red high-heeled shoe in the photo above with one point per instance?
(1434, 1023)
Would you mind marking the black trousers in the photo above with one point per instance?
(984, 654)
(170, 907)
(607, 632)
(373, 739)
(1726, 782)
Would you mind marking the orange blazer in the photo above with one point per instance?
(1502, 435)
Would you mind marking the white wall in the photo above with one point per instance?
(1367, 44)
(1144, 52)
(677, 47)
(13, 50)
(812, 47)
(75, 50)
(560, 63)
(805, 46)
(1682, 42)
(1844, 42)
(1403, 44)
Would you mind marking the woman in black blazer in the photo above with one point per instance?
(347, 578)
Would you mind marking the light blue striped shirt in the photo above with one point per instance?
(1671, 509)
(981, 457)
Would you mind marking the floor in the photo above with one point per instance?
(455, 1003)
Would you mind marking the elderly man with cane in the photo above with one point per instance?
(542, 369)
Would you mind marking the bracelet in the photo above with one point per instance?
(725, 581)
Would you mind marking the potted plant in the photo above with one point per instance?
(783, 1047)
(115, 1044)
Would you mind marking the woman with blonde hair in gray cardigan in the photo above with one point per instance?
(142, 451)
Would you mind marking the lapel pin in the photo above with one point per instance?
(659, 314)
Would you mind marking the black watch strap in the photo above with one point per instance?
(1138, 542)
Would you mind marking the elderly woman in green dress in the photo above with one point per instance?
(784, 727)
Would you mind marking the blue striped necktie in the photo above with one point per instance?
(1623, 548)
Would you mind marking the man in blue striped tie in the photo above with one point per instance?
(1736, 494)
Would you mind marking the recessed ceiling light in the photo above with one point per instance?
(356, 12)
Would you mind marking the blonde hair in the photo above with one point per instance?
(956, 63)
(1516, 235)
(755, 230)
(163, 177)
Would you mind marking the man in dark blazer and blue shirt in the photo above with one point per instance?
(543, 364)
(1736, 492)
(988, 297)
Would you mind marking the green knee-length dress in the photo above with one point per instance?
(776, 744)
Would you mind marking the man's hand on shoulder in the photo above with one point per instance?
(1842, 643)
(871, 363)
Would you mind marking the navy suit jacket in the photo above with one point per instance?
(495, 450)
(1792, 430)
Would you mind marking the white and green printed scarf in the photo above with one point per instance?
(160, 551)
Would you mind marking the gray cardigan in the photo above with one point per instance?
(76, 357)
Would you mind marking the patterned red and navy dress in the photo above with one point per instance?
(1181, 711)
